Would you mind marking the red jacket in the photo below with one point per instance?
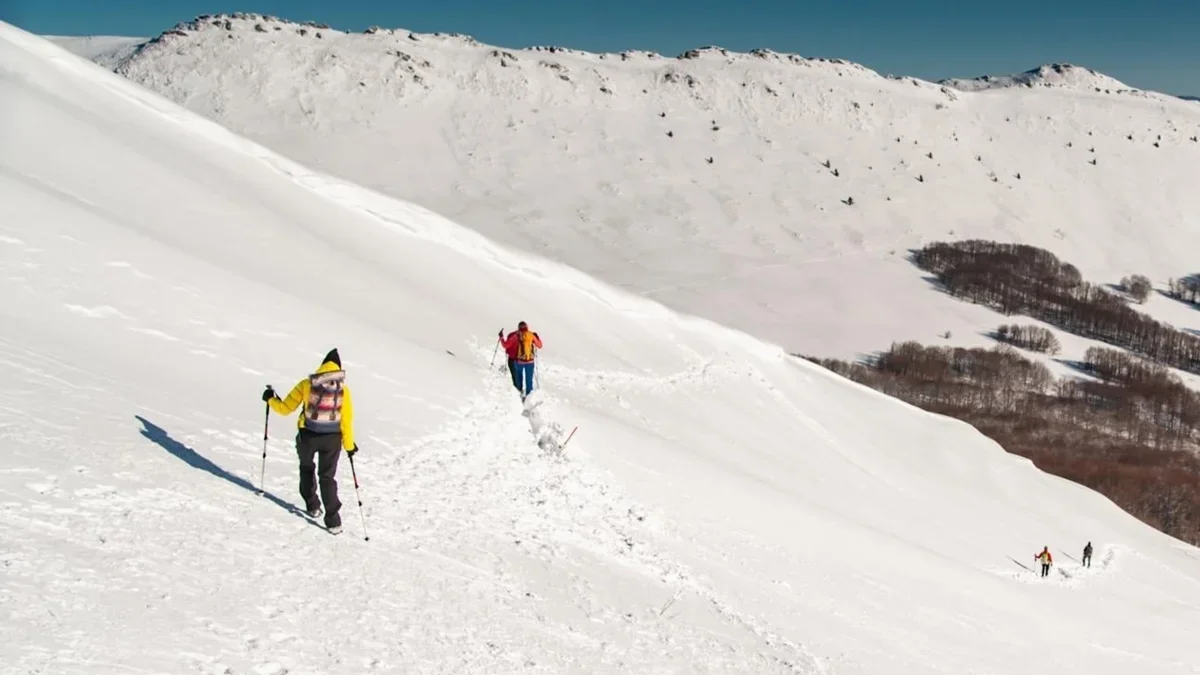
(513, 341)
(510, 345)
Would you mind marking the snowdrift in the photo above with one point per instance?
(701, 181)
(722, 507)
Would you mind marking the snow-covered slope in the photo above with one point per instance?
(602, 161)
(722, 508)
(106, 50)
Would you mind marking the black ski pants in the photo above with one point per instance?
(1045, 569)
(319, 455)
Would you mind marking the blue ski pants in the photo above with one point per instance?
(512, 373)
(523, 376)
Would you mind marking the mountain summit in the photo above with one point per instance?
(1053, 75)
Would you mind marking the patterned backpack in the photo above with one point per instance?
(323, 410)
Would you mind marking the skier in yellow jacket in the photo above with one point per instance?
(1046, 559)
(325, 427)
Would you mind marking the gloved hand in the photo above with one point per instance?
(268, 394)
(353, 450)
(500, 334)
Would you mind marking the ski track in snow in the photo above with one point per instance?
(550, 501)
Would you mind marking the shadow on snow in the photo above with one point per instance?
(162, 439)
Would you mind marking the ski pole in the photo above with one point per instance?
(569, 437)
(358, 495)
(497, 349)
(266, 425)
(1019, 563)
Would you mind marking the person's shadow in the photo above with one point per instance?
(161, 438)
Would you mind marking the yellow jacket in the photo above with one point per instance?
(299, 395)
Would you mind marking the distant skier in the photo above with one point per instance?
(1046, 560)
(325, 427)
(1087, 555)
(521, 346)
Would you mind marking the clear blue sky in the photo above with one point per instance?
(1152, 44)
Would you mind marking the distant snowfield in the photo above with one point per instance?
(722, 508)
(601, 162)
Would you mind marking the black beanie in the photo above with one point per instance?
(333, 357)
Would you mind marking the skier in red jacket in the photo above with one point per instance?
(510, 351)
(521, 347)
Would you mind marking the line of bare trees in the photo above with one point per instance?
(1142, 402)
(1033, 338)
(1020, 279)
(1131, 435)
(1186, 289)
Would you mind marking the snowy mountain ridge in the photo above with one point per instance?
(710, 181)
(722, 508)
(262, 23)
(1060, 75)
(1047, 75)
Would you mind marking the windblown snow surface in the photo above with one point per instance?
(723, 508)
(601, 161)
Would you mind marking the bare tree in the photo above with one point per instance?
(1138, 287)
